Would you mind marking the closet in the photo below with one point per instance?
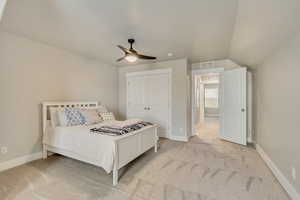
(149, 98)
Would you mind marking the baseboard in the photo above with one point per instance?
(179, 138)
(278, 174)
(249, 140)
(20, 161)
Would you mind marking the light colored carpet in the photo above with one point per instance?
(202, 169)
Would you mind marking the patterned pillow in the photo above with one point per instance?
(74, 117)
(91, 116)
(107, 116)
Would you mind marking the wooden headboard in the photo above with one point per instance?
(65, 104)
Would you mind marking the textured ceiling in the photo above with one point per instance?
(245, 31)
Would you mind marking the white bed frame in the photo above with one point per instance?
(127, 148)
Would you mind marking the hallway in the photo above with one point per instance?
(208, 131)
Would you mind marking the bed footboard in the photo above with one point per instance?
(129, 148)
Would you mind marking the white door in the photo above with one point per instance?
(233, 103)
(136, 97)
(157, 101)
(148, 98)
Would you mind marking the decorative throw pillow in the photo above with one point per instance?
(74, 117)
(102, 109)
(107, 116)
(91, 116)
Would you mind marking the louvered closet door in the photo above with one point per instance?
(157, 101)
(136, 97)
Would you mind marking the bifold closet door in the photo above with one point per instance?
(148, 99)
(157, 100)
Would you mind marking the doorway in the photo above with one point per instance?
(221, 105)
(206, 110)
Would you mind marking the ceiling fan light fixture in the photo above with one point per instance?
(131, 58)
(131, 55)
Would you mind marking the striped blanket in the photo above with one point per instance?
(117, 131)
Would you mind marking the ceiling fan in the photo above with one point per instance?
(132, 55)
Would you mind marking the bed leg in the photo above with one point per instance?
(156, 141)
(45, 152)
(115, 175)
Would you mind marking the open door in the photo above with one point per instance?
(233, 101)
(2, 7)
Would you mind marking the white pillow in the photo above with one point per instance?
(53, 116)
(107, 116)
(57, 116)
(62, 118)
(102, 109)
(91, 116)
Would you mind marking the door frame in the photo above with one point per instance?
(167, 71)
(194, 73)
(2, 7)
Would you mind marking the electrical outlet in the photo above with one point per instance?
(294, 173)
(3, 150)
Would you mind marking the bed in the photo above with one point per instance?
(109, 152)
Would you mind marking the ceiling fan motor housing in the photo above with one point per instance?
(131, 41)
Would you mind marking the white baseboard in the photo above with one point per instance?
(179, 138)
(278, 174)
(20, 161)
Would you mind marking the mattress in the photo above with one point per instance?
(79, 140)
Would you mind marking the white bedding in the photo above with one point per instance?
(91, 146)
(79, 140)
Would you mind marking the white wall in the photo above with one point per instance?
(179, 92)
(277, 86)
(30, 73)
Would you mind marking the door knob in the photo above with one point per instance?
(243, 109)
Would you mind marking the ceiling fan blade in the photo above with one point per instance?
(146, 57)
(120, 59)
(124, 49)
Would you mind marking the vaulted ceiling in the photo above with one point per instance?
(246, 31)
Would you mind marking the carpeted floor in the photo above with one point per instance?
(205, 168)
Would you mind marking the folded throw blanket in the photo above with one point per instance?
(123, 124)
(113, 131)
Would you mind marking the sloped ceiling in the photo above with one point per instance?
(262, 27)
(245, 31)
